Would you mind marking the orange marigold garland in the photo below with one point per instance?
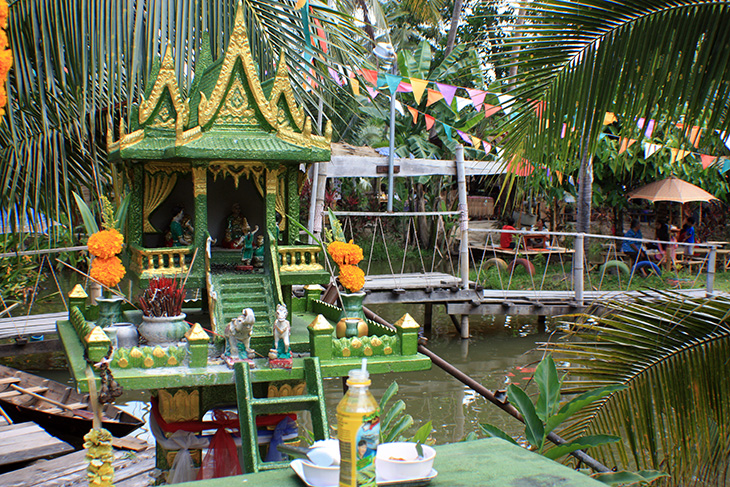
(345, 253)
(352, 277)
(106, 243)
(107, 271)
(6, 55)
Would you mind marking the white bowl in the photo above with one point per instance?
(399, 461)
(319, 476)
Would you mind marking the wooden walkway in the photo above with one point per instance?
(30, 325)
(25, 442)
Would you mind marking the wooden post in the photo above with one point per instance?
(319, 206)
(427, 316)
(464, 232)
(578, 269)
(391, 154)
(313, 200)
(711, 262)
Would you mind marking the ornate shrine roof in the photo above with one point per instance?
(229, 113)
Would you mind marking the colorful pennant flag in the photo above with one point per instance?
(694, 136)
(419, 86)
(392, 81)
(477, 97)
(521, 168)
(433, 97)
(487, 146)
(707, 160)
(490, 110)
(370, 76)
(725, 165)
(404, 87)
(562, 132)
(505, 101)
(476, 141)
(414, 112)
(609, 118)
(677, 154)
(429, 121)
(372, 92)
(464, 137)
(624, 144)
(355, 84)
(650, 149)
(448, 91)
(447, 129)
(649, 127)
(462, 103)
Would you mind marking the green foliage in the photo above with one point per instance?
(544, 416)
(395, 421)
(671, 353)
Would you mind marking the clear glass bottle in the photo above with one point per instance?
(358, 430)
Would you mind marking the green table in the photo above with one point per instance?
(481, 463)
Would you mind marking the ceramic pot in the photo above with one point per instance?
(125, 335)
(110, 311)
(163, 330)
(351, 311)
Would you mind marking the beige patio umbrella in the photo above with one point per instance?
(671, 189)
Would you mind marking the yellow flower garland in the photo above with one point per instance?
(106, 243)
(352, 277)
(6, 55)
(107, 271)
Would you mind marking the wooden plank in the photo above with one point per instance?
(43, 346)
(349, 166)
(28, 441)
(9, 380)
(34, 389)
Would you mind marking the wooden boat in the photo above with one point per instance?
(58, 408)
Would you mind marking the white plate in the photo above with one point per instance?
(296, 465)
(407, 483)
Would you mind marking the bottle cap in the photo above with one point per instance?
(361, 375)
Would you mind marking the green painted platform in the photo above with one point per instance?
(489, 462)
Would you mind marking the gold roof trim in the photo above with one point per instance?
(282, 86)
(166, 78)
(188, 135)
(238, 47)
(407, 322)
(320, 323)
(130, 139)
(97, 335)
(78, 292)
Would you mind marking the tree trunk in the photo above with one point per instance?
(451, 39)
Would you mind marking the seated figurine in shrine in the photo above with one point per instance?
(175, 236)
(236, 227)
(258, 252)
(280, 355)
(246, 245)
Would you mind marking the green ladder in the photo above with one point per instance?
(249, 407)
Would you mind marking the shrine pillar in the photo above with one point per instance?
(200, 198)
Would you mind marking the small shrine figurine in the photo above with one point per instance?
(247, 247)
(280, 355)
(239, 329)
(176, 235)
(236, 227)
(258, 252)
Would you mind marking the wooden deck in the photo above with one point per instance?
(25, 442)
(24, 326)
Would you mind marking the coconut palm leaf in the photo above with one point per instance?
(79, 64)
(575, 61)
(673, 354)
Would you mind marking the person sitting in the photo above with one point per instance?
(505, 240)
(538, 242)
(236, 227)
(633, 247)
(687, 235)
(175, 236)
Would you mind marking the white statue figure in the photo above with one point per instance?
(239, 329)
(282, 330)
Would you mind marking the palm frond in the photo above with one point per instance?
(673, 354)
(638, 58)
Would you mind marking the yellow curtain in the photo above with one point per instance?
(156, 190)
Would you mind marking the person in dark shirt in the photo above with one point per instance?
(633, 247)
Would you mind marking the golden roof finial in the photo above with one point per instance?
(406, 322)
(166, 78)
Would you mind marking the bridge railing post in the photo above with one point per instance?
(711, 263)
(464, 232)
(578, 260)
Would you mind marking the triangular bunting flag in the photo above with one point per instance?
(725, 139)
(560, 176)
(382, 83)
(624, 144)
(649, 126)
(399, 107)
(414, 112)
(447, 129)
(355, 84)
(694, 136)
(609, 118)
(392, 81)
(476, 141)
(571, 180)
(487, 146)
(650, 149)
(461, 103)
(707, 160)
(335, 76)
(725, 165)
(521, 168)
(433, 97)
(429, 121)
(464, 137)
(370, 76)
(477, 97)
(490, 110)
(419, 86)
(505, 101)
(404, 87)
(677, 154)
(562, 132)
(448, 91)
(372, 92)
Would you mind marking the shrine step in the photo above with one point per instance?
(234, 291)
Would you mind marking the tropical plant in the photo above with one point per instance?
(671, 354)
(651, 59)
(96, 58)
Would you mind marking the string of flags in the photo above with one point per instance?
(476, 98)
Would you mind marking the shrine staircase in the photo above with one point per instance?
(250, 406)
(231, 292)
